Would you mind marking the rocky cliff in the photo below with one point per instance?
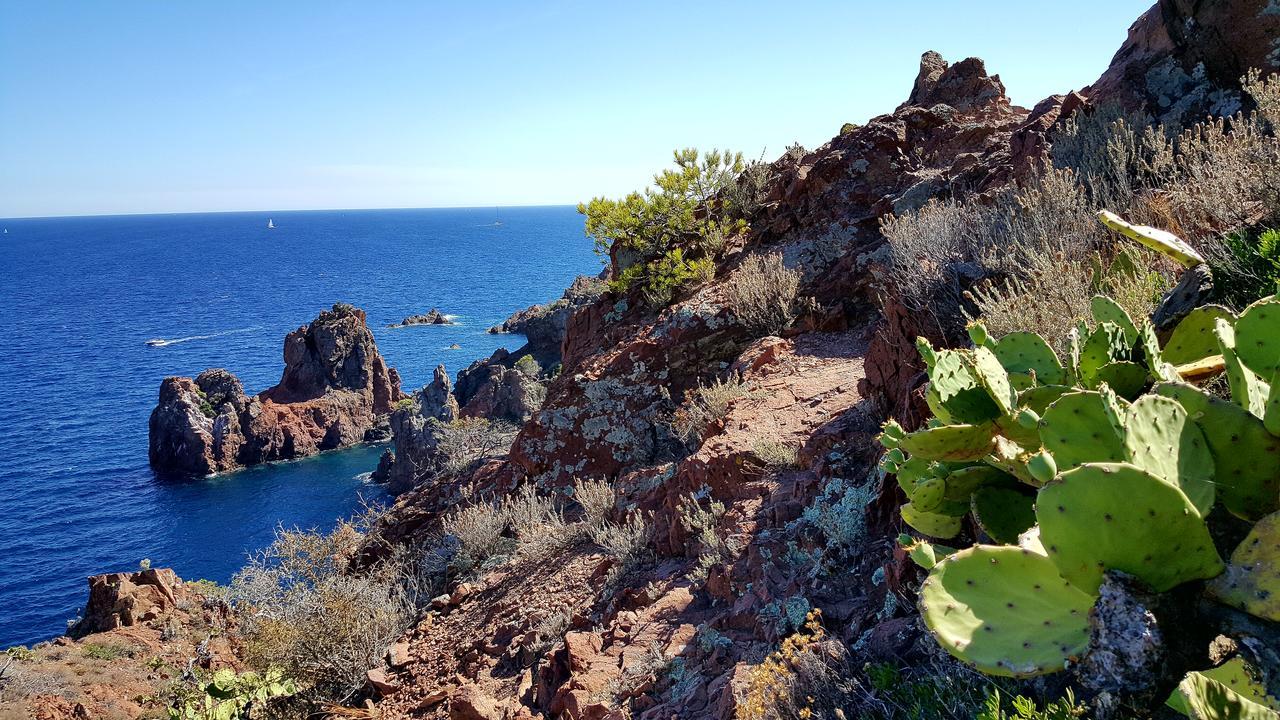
(820, 391)
(334, 391)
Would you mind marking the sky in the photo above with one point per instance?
(149, 107)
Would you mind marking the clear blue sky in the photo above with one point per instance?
(148, 106)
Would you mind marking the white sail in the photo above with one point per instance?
(270, 225)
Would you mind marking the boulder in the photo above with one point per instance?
(125, 599)
(334, 389)
(431, 317)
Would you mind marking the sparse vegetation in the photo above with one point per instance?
(777, 456)
(528, 366)
(706, 405)
(467, 440)
(764, 294)
(627, 542)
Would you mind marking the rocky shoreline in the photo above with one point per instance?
(336, 391)
(430, 317)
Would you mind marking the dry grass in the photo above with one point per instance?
(777, 456)
(706, 405)
(764, 294)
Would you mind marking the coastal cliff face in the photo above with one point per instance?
(821, 391)
(333, 392)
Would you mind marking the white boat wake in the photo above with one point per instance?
(162, 342)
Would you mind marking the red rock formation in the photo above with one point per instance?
(334, 390)
(124, 599)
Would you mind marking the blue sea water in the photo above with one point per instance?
(81, 297)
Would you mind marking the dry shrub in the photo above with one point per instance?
(627, 542)
(467, 440)
(776, 688)
(777, 456)
(19, 681)
(597, 500)
(478, 530)
(302, 611)
(539, 526)
(705, 405)
(764, 294)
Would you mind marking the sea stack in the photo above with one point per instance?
(336, 390)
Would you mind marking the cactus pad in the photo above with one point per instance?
(984, 366)
(1105, 309)
(1027, 353)
(1038, 399)
(1252, 580)
(1076, 429)
(1247, 389)
(1227, 692)
(1003, 513)
(1103, 346)
(927, 494)
(1193, 340)
(1115, 516)
(950, 442)
(923, 553)
(1006, 611)
(1246, 457)
(1161, 241)
(931, 524)
(964, 482)
(1161, 439)
(1258, 336)
(954, 394)
(1271, 413)
(1128, 379)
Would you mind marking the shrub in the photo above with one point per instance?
(763, 294)
(405, 403)
(777, 456)
(701, 526)
(479, 531)
(233, 696)
(597, 500)
(705, 405)
(301, 611)
(101, 651)
(467, 440)
(1246, 266)
(627, 542)
(528, 366)
(688, 209)
(775, 688)
(839, 514)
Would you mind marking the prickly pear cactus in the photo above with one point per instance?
(1161, 439)
(1003, 513)
(1193, 339)
(1105, 309)
(930, 523)
(1006, 611)
(1228, 692)
(1077, 429)
(954, 394)
(1128, 379)
(922, 553)
(1258, 335)
(1027, 354)
(950, 442)
(1161, 241)
(1114, 516)
(1246, 457)
(1104, 346)
(1252, 580)
(984, 365)
(1247, 389)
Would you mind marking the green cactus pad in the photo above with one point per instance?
(1271, 413)
(1247, 389)
(1038, 399)
(1011, 457)
(931, 524)
(1105, 309)
(1006, 611)
(1150, 345)
(978, 333)
(1193, 340)
(1252, 580)
(1246, 457)
(924, 553)
(956, 394)
(1114, 516)
(962, 483)
(1003, 513)
(927, 495)
(1227, 692)
(1128, 379)
(983, 365)
(1102, 347)
(1161, 439)
(950, 442)
(1026, 353)
(1076, 429)
(1258, 336)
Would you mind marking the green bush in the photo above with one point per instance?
(665, 238)
(1249, 268)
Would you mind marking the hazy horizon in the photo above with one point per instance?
(162, 108)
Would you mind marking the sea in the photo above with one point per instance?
(81, 297)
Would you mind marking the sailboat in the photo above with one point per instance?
(496, 221)
(270, 225)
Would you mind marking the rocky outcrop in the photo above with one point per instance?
(413, 437)
(125, 599)
(431, 317)
(333, 392)
(544, 325)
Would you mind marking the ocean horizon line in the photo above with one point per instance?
(280, 211)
